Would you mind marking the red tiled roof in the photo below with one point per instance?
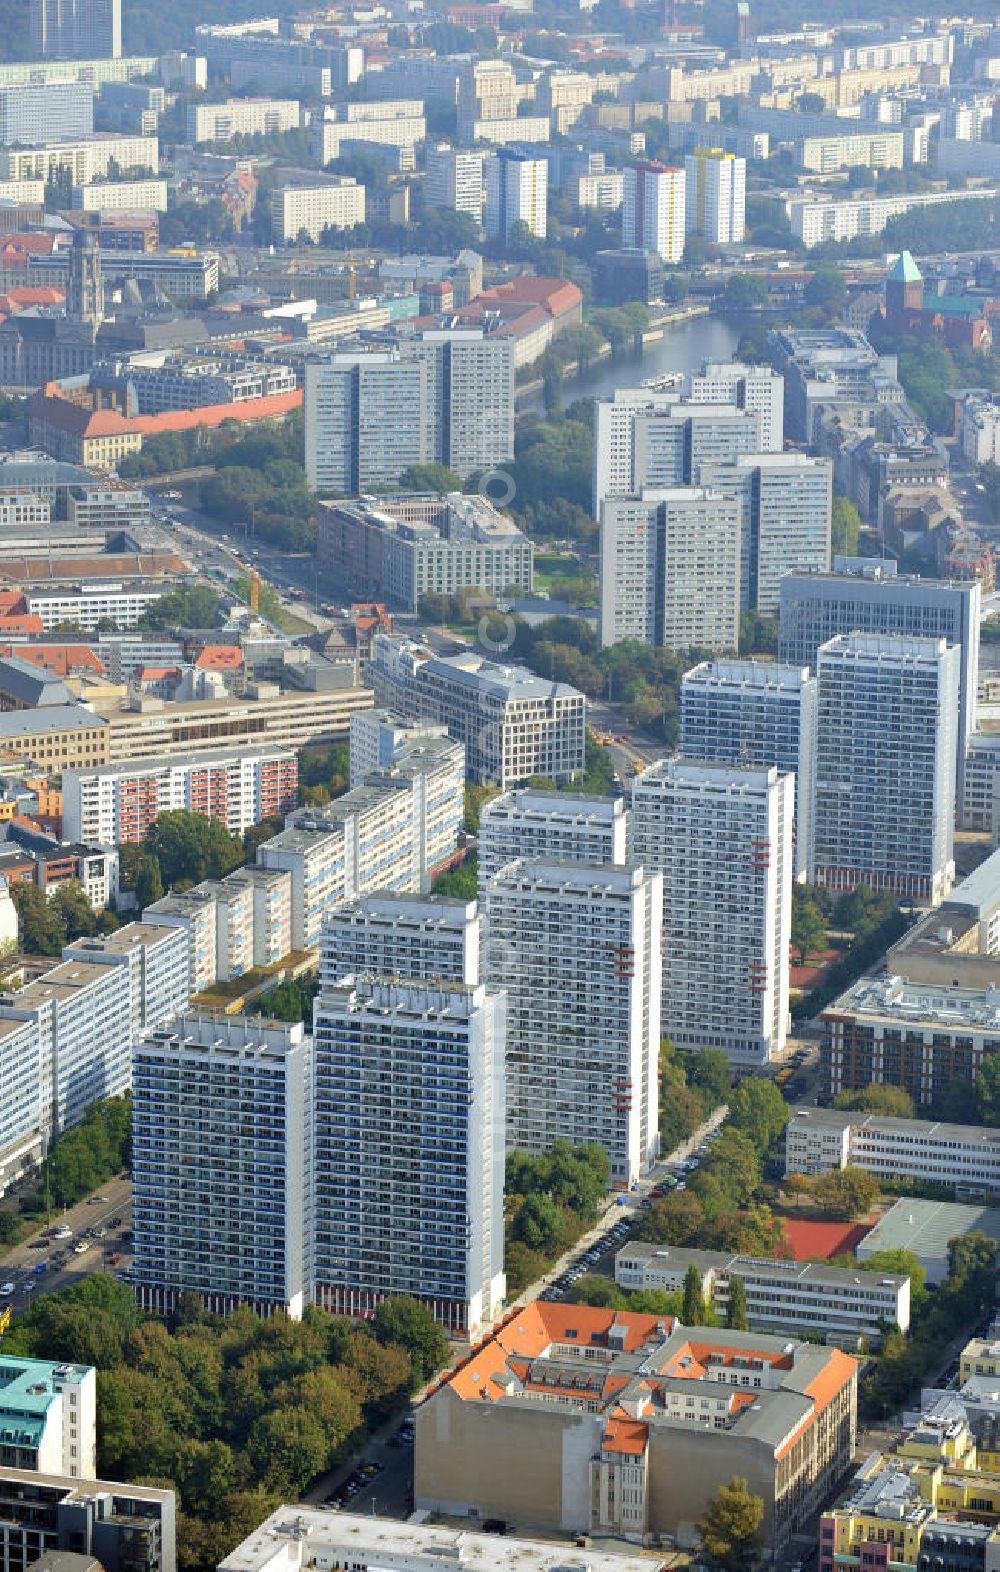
(220, 657)
(625, 1435)
(20, 298)
(60, 659)
(554, 295)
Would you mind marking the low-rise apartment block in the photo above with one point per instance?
(558, 826)
(572, 1419)
(842, 1304)
(221, 1202)
(512, 723)
(241, 117)
(336, 204)
(116, 804)
(48, 1417)
(126, 1528)
(401, 548)
(966, 1156)
(86, 160)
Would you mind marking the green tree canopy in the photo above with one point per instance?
(732, 1527)
(736, 1309)
(693, 1301)
(846, 1192)
(190, 847)
(893, 1101)
(410, 1325)
(845, 528)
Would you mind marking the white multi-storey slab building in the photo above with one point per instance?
(786, 503)
(426, 939)
(653, 209)
(647, 439)
(755, 712)
(336, 204)
(886, 739)
(155, 962)
(241, 117)
(716, 195)
(558, 826)
(840, 1303)
(670, 569)
(757, 388)
(117, 803)
(516, 193)
(722, 837)
(577, 949)
(455, 180)
(194, 912)
(511, 723)
(271, 889)
(379, 738)
(409, 1148)
(823, 1140)
(815, 607)
(314, 860)
(221, 1201)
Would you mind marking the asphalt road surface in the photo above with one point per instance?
(61, 1265)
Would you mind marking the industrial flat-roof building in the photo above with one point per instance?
(925, 1227)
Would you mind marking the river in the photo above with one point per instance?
(683, 347)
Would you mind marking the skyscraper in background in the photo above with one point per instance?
(76, 29)
(716, 195)
(653, 209)
(516, 193)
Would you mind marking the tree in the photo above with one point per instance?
(893, 1101)
(693, 1302)
(826, 288)
(41, 932)
(744, 292)
(73, 911)
(675, 1219)
(436, 478)
(847, 1192)
(192, 847)
(288, 1447)
(736, 1309)
(757, 1108)
(731, 1529)
(409, 1324)
(191, 606)
(987, 1087)
(708, 1069)
(845, 528)
(539, 1224)
(808, 925)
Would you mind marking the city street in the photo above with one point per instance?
(62, 1266)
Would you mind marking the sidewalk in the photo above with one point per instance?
(615, 1212)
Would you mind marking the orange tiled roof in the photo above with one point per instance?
(625, 1435)
(60, 659)
(155, 673)
(554, 295)
(220, 657)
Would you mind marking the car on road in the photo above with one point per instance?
(81, 1247)
(114, 1222)
(6, 1290)
(62, 1232)
(40, 1267)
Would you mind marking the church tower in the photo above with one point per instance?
(85, 300)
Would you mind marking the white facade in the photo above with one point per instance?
(154, 960)
(757, 388)
(786, 508)
(379, 738)
(221, 1202)
(653, 210)
(886, 739)
(113, 804)
(556, 826)
(646, 440)
(511, 723)
(314, 861)
(798, 1296)
(577, 949)
(409, 1148)
(755, 712)
(455, 180)
(722, 837)
(716, 195)
(86, 159)
(194, 912)
(816, 222)
(670, 569)
(336, 204)
(516, 193)
(272, 911)
(110, 195)
(49, 1417)
(822, 1140)
(979, 430)
(424, 940)
(241, 117)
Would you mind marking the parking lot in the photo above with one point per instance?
(380, 1481)
(598, 1254)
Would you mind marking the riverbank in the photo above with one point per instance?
(659, 327)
